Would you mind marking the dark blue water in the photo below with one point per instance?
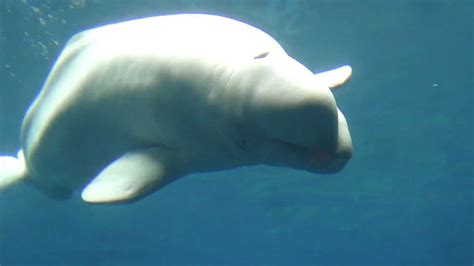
(406, 198)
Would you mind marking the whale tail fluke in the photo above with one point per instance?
(12, 170)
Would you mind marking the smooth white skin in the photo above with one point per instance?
(172, 95)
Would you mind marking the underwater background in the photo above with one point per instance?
(406, 197)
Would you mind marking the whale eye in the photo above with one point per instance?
(262, 55)
(243, 144)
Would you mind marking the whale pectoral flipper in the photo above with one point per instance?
(12, 170)
(334, 78)
(130, 177)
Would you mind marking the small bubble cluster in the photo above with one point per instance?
(48, 18)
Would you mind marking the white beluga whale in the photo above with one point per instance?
(130, 107)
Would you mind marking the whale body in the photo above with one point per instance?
(130, 107)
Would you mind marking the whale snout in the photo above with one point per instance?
(337, 164)
(343, 151)
(324, 162)
(334, 160)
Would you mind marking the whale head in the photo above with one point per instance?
(301, 125)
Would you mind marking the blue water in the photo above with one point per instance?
(406, 197)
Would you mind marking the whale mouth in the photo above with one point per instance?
(328, 163)
(321, 161)
(311, 159)
(317, 160)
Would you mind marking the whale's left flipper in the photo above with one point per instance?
(12, 170)
(334, 78)
(130, 177)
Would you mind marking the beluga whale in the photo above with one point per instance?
(130, 107)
